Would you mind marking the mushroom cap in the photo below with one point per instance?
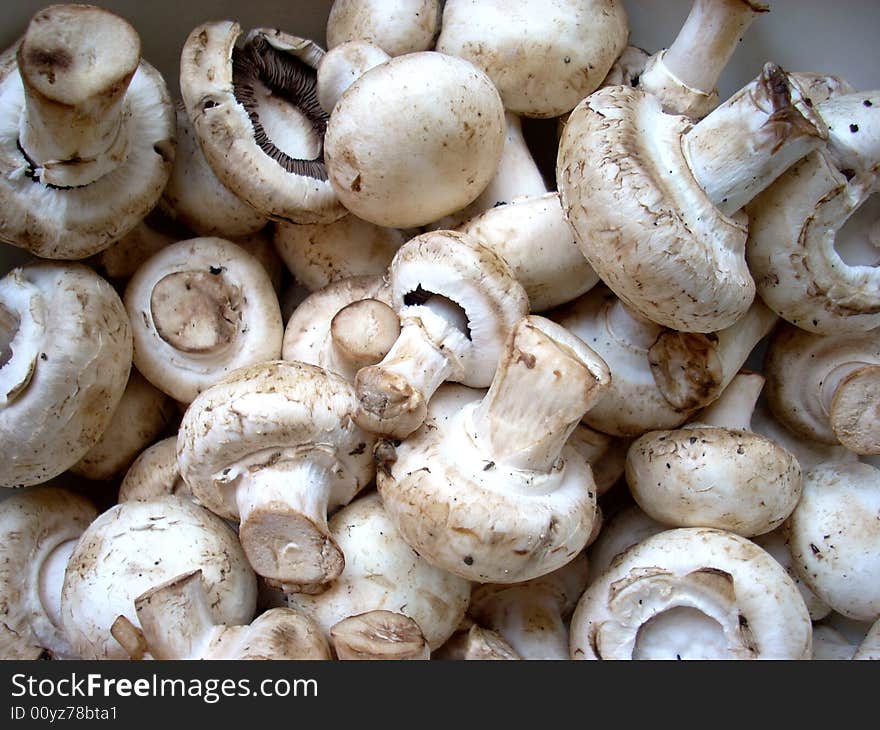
(291, 185)
(383, 572)
(414, 139)
(342, 65)
(65, 356)
(121, 259)
(626, 528)
(834, 538)
(829, 644)
(544, 57)
(33, 523)
(136, 545)
(199, 309)
(714, 593)
(154, 474)
(641, 219)
(396, 26)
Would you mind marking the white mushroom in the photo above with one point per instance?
(397, 26)
(472, 642)
(829, 645)
(379, 634)
(605, 454)
(121, 259)
(344, 64)
(870, 646)
(626, 528)
(154, 474)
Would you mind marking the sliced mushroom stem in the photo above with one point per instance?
(539, 357)
(379, 634)
(734, 407)
(849, 394)
(22, 325)
(52, 579)
(747, 142)
(76, 63)
(362, 333)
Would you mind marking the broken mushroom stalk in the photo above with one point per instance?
(379, 634)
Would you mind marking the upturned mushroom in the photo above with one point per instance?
(487, 488)
(87, 135)
(715, 471)
(826, 387)
(544, 57)
(396, 26)
(177, 621)
(40, 528)
(379, 634)
(65, 356)
(154, 474)
(136, 545)
(199, 309)
(457, 301)
(383, 573)
(658, 218)
(274, 447)
(692, 593)
(255, 112)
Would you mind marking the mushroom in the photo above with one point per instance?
(870, 646)
(154, 474)
(472, 642)
(177, 621)
(715, 471)
(379, 635)
(487, 488)
(544, 57)
(626, 528)
(692, 593)
(657, 219)
(397, 26)
(136, 545)
(65, 355)
(829, 644)
(383, 573)
(199, 309)
(605, 454)
(834, 540)
(530, 616)
(342, 65)
(427, 149)
(87, 135)
(121, 259)
(826, 387)
(40, 527)
(273, 446)
(261, 246)
(343, 327)
(457, 301)
(256, 115)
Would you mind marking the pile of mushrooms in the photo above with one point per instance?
(321, 362)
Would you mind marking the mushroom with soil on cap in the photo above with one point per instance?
(255, 112)
(457, 300)
(40, 528)
(658, 219)
(544, 57)
(692, 593)
(87, 135)
(136, 545)
(379, 634)
(382, 572)
(177, 621)
(396, 26)
(826, 387)
(715, 471)
(65, 356)
(487, 488)
(199, 309)
(154, 473)
(274, 447)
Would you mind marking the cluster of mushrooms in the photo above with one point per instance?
(354, 380)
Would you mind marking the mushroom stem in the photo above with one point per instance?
(52, 579)
(76, 63)
(735, 343)
(849, 395)
(531, 622)
(751, 139)
(362, 333)
(22, 325)
(539, 357)
(629, 327)
(734, 406)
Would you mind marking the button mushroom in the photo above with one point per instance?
(154, 474)
(626, 528)
(344, 64)
(379, 635)
(397, 26)
(474, 643)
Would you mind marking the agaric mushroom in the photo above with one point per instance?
(87, 134)
(692, 593)
(383, 572)
(657, 219)
(344, 64)
(143, 414)
(256, 114)
(715, 471)
(379, 634)
(798, 226)
(40, 527)
(199, 309)
(661, 376)
(343, 327)
(319, 254)
(474, 643)
(136, 545)
(605, 454)
(414, 139)
(628, 527)
(830, 645)
(531, 616)
(544, 57)
(154, 474)
(826, 387)
(396, 26)
(195, 196)
(274, 447)
(834, 540)
(121, 259)
(261, 246)
(487, 488)
(177, 621)
(870, 646)
(457, 301)
(65, 355)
